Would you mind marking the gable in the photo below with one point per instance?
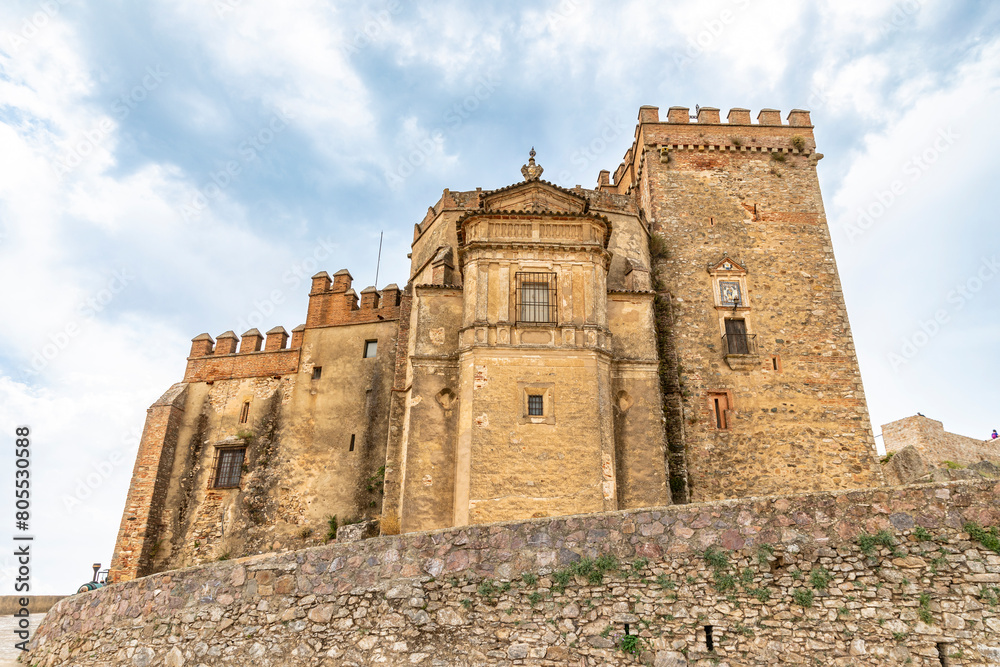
(535, 197)
(727, 265)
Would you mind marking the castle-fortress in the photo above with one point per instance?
(614, 426)
(676, 334)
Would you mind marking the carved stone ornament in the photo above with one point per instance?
(531, 171)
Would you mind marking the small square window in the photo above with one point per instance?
(229, 467)
(371, 348)
(536, 405)
(317, 372)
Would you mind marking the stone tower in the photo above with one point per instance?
(762, 388)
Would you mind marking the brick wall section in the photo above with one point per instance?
(146, 494)
(242, 365)
(935, 444)
(458, 597)
(335, 303)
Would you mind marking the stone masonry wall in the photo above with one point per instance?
(869, 577)
(935, 444)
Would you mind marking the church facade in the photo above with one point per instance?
(676, 334)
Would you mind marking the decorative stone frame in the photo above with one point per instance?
(544, 389)
(728, 271)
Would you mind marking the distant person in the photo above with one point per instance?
(994, 436)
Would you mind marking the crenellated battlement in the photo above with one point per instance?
(230, 357)
(332, 302)
(705, 131)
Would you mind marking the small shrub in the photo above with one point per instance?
(389, 524)
(803, 597)
(951, 465)
(820, 578)
(798, 142)
(763, 594)
(639, 564)
(487, 589)
(224, 556)
(987, 537)
(925, 616)
(743, 630)
(921, 534)
(843, 612)
(764, 551)
(331, 527)
(529, 579)
(797, 575)
(467, 603)
(887, 457)
(990, 596)
(717, 558)
(736, 141)
(665, 583)
(899, 636)
(746, 576)
(535, 598)
(779, 157)
(723, 582)
(657, 246)
(561, 578)
(630, 644)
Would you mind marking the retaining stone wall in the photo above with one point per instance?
(927, 596)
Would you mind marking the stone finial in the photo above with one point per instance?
(531, 171)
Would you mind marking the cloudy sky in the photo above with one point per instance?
(174, 167)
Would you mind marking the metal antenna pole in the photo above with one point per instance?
(379, 261)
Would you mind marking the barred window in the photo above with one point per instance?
(228, 467)
(536, 297)
(536, 405)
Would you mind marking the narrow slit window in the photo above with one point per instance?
(776, 363)
(719, 405)
(317, 372)
(536, 405)
(371, 348)
(351, 449)
(245, 412)
(942, 650)
(229, 467)
(709, 639)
